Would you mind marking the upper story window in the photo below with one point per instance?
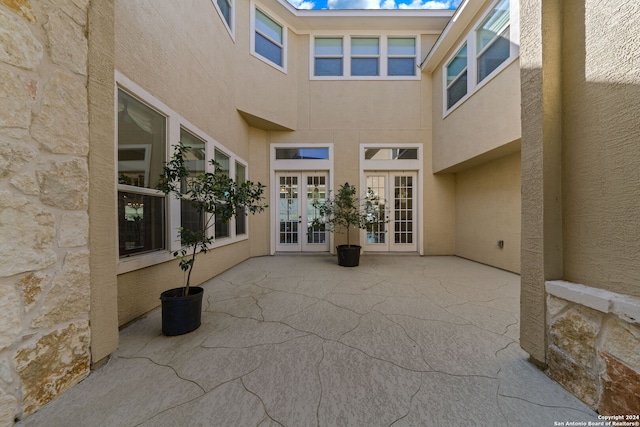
(401, 57)
(457, 77)
(483, 54)
(359, 57)
(328, 54)
(226, 9)
(492, 40)
(365, 56)
(269, 39)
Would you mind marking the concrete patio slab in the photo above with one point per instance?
(299, 341)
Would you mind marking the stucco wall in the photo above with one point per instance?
(44, 195)
(488, 210)
(601, 153)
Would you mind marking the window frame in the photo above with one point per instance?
(414, 56)
(448, 85)
(377, 56)
(383, 54)
(174, 124)
(316, 56)
(254, 31)
(479, 52)
(232, 16)
(470, 39)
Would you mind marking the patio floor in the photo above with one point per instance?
(299, 341)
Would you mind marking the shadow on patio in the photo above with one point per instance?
(299, 341)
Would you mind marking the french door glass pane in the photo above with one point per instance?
(288, 204)
(316, 192)
(376, 232)
(403, 209)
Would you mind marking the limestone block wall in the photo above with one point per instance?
(44, 193)
(594, 337)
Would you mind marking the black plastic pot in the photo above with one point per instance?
(181, 314)
(348, 255)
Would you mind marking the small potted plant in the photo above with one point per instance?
(214, 196)
(345, 211)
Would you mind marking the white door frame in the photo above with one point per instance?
(399, 165)
(277, 165)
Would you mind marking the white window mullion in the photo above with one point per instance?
(383, 55)
(173, 208)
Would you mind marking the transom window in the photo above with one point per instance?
(364, 57)
(269, 39)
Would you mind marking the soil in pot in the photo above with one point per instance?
(181, 314)
(348, 256)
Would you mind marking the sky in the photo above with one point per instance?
(375, 4)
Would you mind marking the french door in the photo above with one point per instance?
(396, 230)
(297, 192)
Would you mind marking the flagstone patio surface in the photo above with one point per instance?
(299, 341)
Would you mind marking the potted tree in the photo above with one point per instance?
(212, 196)
(347, 210)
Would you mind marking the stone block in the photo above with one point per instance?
(578, 380)
(622, 341)
(62, 125)
(26, 183)
(10, 316)
(51, 365)
(620, 388)
(15, 102)
(574, 332)
(555, 306)
(8, 409)
(67, 42)
(64, 184)
(27, 233)
(23, 7)
(20, 47)
(31, 286)
(13, 156)
(68, 297)
(74, 229)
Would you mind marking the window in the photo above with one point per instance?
(302, 153)
(221, 227)
(142, 145)
(328, 56)
(457, 77)
(401, 57)
(391, 153)
(190, 218)
(241, 214)
(492, 40)
(225, 7)
(365, 56)
(269, 41)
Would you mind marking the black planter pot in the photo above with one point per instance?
(348, 256)
(181, 314)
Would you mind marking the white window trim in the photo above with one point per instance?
(470, 39)
(398, 165)
(296, 165)
(285, 31)
(230, 26)
(346, 55)
(174, 122)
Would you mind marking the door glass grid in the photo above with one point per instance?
(316, 191)
(376, 232)
(403, 209)
(289, 218)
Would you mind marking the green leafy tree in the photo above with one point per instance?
(213, 195)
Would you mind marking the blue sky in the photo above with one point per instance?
(375, 4)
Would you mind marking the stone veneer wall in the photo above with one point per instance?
(44, 193)
(594, 346)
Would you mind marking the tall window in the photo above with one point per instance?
(457, 77)
(226, 9)
(328, 56)
(190, 218)
(142, 145)
(222, 227)
(365, 56)
(401, 57)
(269, 42)
(241, 214)
(492, 40)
